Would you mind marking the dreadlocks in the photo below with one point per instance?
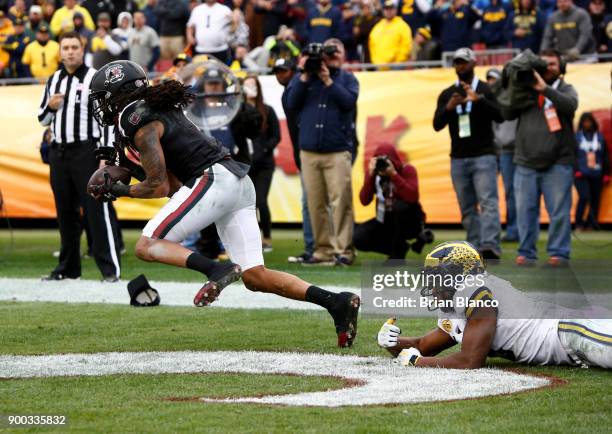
(167, 95)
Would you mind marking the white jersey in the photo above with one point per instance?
(212, 27)
(529, 340)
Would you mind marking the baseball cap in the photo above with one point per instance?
(464, 54)
(213, 75)
(77, 15)
(283, 65)
(18, 22)
(389, 4)
(494, 73)
(104, 16)
(181, 56)
(425, 32)
(43, 29)
(35, 9)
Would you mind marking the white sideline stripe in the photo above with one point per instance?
(382, 381)
(171, 293)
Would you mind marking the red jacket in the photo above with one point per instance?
(406, 183)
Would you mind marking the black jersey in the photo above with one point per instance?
(187, 151)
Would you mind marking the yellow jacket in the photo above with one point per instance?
(43, 61)
(390, 41)
(62, 20)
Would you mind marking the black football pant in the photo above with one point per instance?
(262, 180)
(71, 168)
(405, 222)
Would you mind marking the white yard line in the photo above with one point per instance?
(171, 293)
(380, 381)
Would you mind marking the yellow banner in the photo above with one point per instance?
(394, 106)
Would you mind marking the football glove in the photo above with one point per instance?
(107, 153)
(388, 334)
(102, 192)
(408, 357)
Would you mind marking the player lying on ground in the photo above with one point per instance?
(205, 186)
(484, 331)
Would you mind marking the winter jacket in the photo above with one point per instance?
(326, 115)
(390, 41)
(567, 31)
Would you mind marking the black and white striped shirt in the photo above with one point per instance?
(73, 122)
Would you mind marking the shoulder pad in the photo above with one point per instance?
(133, 117)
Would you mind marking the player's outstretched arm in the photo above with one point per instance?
(476, 344)
(156, 184)
(431, 344)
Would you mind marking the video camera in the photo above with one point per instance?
(382, 162)
(315, 53)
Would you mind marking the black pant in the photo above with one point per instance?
(589, 193)
(262, 180)
(405, 222)
(71, 168)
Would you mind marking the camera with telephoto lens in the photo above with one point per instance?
(382, 162)
(315, 52)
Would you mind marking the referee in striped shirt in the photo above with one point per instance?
(66, 109)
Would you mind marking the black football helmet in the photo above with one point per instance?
(113, 87)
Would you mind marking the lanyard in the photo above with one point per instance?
(548, 103)
(468, 106)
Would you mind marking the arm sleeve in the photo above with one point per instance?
(367, 190)
(345, 95)
(154, 58)
(441, 115)
(89, 24)
(492, 106)
(296, 95)
(56, 22)
(45, 114)
(112, 46)
(405, 46)
(26, 59)
(273, 133)
(585, 32)
(565, 101)
(423, 5)
(407, 184)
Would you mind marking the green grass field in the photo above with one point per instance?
(136, 403)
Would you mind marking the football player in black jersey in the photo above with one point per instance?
(205, 186)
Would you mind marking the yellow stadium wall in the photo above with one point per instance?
(394, 106)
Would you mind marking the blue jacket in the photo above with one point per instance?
(533, 22)
(453, 26)
(600, 152)
(322, 25)
(326, 115)
(493, 22)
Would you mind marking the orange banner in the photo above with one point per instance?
(394, 106)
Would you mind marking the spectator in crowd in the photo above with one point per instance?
(414, 12)
(240, 33)
(273, 13)
(6, 30)
(105, 46)
(364, 23)
(345, 31)
(242, 61)
(35, 19)
(597, 11)
(504, 134)
(326, 139)
(150, 16)
(174, 73)
(19, 10)
(79, 27)
(607, 46)
(71, 163)
(322, 21)
(544, 156)
(453, 24)
(262, 156)
(173, 16)
(281, 46)
(48, 10)
(209, 28)
(285, 70)
(593, 171)
(96, 7)
(391, 38)
(42, 55)
(143, 43)
(123, 30)
(525, 26)
(569, 31)
(469, 108)
(297, 14)
(425, 48)
(15, 45)
(494, 19)
(62, 20)
(399, 216)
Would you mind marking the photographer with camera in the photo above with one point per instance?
(544, 154)
(469, 108)
(399, 216)
(324, 98)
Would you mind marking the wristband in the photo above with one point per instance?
(413, 359)
(119, 190)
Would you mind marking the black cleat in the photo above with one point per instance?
(228, 273)
(345, 314)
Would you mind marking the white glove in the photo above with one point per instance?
(388, 334)
(408, 357)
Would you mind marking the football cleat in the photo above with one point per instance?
(345, 318)
(229, 274)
